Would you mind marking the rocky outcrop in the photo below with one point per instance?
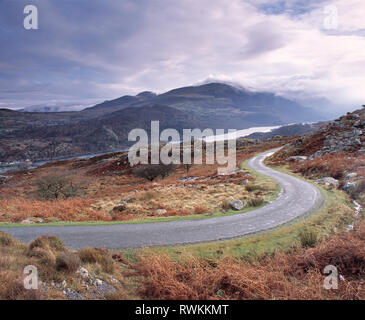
(345, 134)
(297, 158)
(328, 181)
(349, 186)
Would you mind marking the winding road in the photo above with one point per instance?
(297, 198)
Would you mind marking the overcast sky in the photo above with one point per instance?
(87, 51)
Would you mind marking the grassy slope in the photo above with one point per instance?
(259, 178)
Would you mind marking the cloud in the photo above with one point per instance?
(93, 50)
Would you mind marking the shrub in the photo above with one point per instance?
(96, 255)
(6, 239)
(255, 202)
(293, 275)
(14, 290)
(152, 171)
(149, 195)
(67, 262)
(251, 187)
(226, 205)
(48, 242)
(308, 238)
(119, 208)
(45, 256)
(329, 165)
(200, 210)
(56, 187)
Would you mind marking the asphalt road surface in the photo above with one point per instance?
(297, 198)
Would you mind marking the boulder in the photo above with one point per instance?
(98, 282)
(349, 186)
(351, 176)
(236, 205)
(83, 273)
(160, 211)
(298, 158)
(357, 142)
(328, 181)
(357, 123)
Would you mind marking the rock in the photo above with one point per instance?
(43, 286)
(160, 211)
(98, 282)
(83, 273)
(184, 179)
(357, 142)
(328, 181)
(353, 116)
(236, 205)
(349, 186)
(64, 284)
(72, 295)
(27, 221)
(351, 176)
(115, 281)
(362, 151)
(298, 158)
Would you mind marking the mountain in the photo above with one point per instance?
(53, 108)
(108, 132)
(104, 127)
(219, 105)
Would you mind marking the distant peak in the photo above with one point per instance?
(227, 83)
(146, 94)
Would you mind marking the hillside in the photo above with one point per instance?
(104, 127)
(334, 155)
(343, 135)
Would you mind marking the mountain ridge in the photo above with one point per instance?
(104, 127)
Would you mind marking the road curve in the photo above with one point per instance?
(296, 199)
